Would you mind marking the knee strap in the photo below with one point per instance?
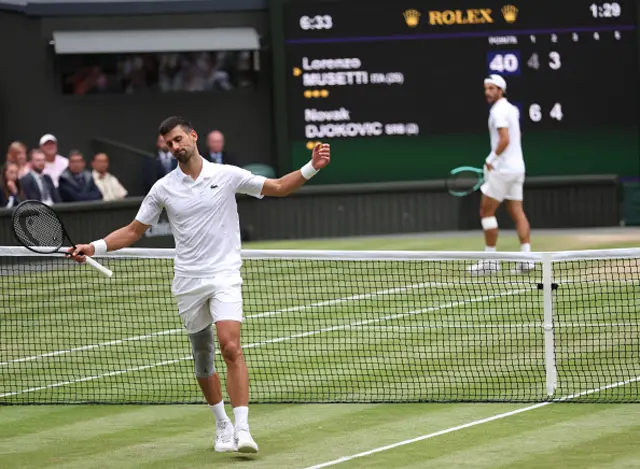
(203, 348)
(489, 223)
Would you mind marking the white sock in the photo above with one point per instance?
(242, 417)
(526, 247)
(489, 249)
(219, 412)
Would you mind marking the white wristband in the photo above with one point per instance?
(100, 247)
(308, 171)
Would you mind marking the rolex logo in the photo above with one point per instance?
(510, 13)
(412, 17)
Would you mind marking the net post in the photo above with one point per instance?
(549, 332)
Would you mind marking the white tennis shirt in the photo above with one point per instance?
(203, 216)
(503, 114)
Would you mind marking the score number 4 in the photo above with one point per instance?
(535, 112)
(555, 62)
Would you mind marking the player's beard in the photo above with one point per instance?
(184, 155)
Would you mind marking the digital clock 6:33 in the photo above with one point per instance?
(316, 22)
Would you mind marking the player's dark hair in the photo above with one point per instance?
(172, 122)
(76, 153)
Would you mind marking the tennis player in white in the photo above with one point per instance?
(504, 175)
(199, 198)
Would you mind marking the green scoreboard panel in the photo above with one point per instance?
(396, 87)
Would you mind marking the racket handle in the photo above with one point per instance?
(99, 267)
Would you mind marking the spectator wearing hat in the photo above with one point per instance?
(56, 164)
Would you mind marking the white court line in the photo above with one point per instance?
(335, 462)
(276, 340)
(92, 346)
(363, 296)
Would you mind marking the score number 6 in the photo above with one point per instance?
(504, 62)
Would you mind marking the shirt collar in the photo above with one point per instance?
(499, 101)
(208, 170)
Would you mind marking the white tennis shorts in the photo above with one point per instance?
(504, 186)
(203, 301)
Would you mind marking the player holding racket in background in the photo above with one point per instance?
(504, 176)
(199, 198)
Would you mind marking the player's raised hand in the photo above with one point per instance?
(321, 156)
(80, 252)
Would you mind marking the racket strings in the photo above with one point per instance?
(464, 182)
(37, 227)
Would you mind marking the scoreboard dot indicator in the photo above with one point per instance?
(324, 93)
(307, 94)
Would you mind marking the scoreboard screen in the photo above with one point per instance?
(396, 87)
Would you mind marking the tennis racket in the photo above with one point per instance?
(38, 228)
(464, 180)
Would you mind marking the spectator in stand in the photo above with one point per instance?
(162, 163)
(107, 183)
(37, 185)
(17, 153)
(56, 164)
(10, 191)
(215, 149)
(76, 182)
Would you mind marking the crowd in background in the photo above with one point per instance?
(43, 174)
(165, 72)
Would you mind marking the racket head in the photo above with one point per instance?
(464, 180)
(37, 227)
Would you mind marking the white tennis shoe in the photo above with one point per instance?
(484, 267)
(244, 442)
(524, 268)
(224, 437)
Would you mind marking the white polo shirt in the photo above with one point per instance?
(503, 114)
(203, 216)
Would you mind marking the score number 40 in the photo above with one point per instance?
(509, 63)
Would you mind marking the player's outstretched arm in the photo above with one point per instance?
(121, 238)
(320, 158)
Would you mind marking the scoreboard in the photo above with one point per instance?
(396, 87)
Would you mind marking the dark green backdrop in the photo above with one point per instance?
(550, 153)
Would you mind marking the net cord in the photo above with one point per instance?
(560, 256)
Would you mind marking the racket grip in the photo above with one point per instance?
(99, 267)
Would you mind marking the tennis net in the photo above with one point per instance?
(323, 326)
